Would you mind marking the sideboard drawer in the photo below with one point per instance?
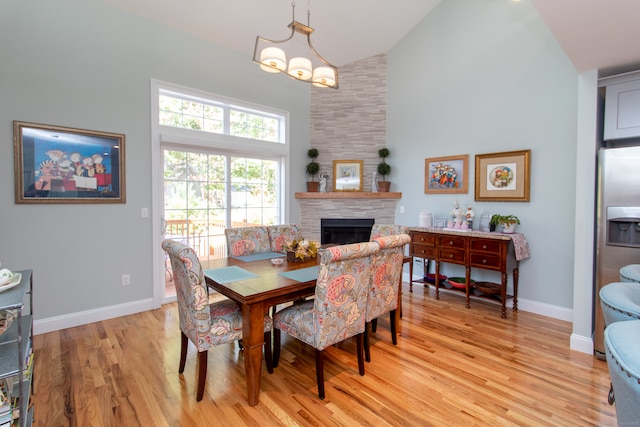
(423, 238)
(422, 251)
(485, 245)
(455, 256)
(457, 242)
(486, 260)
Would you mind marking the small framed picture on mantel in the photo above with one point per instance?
(347, 175)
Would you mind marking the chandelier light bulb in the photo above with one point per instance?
(300, 68)
(324, 77)
(273, 60)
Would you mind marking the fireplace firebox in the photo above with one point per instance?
(342, 231)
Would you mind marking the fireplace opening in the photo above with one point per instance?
(344, 231)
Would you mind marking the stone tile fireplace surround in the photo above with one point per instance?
(350, 124)
(315, 206)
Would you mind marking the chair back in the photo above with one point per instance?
(247, 240)
(386, 269)
(280, 234)
(191, 292)
(379, 230)
(341, 293)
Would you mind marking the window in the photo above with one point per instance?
(201, 199)
(217, 163)
(210, 115)
(223, 162)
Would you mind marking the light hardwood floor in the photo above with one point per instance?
(452, 366)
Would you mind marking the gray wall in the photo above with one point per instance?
(482, 77)
(81, 63)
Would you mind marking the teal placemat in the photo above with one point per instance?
(229, 274)
(302, 275)
(259, 257)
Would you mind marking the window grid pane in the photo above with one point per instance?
(196, 115)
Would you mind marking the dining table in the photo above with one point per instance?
(257, 284)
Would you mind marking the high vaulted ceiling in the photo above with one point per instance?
(595, 34)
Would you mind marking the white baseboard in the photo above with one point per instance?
(581, 343)
(547, 310)
(57, 323)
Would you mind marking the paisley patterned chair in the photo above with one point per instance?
(386, 272)
(338, 310)
(205, 325)
(379, 230)
(247, 240)
(279, 234)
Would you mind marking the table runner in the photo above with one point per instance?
(302, 275)
(259, 257)
(229, 274)
(520, 245)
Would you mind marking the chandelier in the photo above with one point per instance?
(294, 57)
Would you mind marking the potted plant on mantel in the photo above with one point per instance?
(383, 170)
(312, 170)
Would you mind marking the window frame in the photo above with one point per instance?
(163, 136)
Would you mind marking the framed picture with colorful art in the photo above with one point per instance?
(446, 175)
(56, 164)
(503, 177)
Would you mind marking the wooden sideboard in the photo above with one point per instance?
(473, 249)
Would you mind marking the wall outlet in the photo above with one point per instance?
(126, 280)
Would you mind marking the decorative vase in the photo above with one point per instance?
(312, 186)
(383, 186)
(510, 228)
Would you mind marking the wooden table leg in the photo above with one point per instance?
(410, 272)
(436, 280)
(515, 289)
(503, 295)
(467, 286)
(253, 340)
(406, 259)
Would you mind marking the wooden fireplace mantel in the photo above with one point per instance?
(349, 195)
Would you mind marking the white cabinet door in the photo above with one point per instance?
(622, 110)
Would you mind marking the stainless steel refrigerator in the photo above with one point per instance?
(618, 222)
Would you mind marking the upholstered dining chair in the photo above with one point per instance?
(205, 325)
(338, 310)
(247, 240)
(384, 285)
(620, 302)
(282, 233)
(622, 348)
(379, 230)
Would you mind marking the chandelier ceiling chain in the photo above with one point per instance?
(295, 58)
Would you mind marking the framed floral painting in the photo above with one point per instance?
(503, 177)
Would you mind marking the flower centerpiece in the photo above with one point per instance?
(300, 250)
